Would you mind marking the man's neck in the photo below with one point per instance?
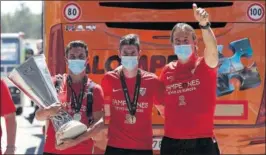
(77, 78)
(183, 62)
(130, 74)
(190, 60)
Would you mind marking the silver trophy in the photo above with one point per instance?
(34, 79)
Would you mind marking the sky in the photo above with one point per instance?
(11, 6)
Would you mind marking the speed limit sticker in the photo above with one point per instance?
(72, 12)
(255, 12)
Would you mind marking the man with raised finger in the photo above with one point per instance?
(190, 93)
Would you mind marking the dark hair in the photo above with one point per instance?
(130, 39)
(185, 28)
(75, 44)
(29, 51)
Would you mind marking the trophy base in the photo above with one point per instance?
(71, 129)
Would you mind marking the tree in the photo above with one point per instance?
(23, 20)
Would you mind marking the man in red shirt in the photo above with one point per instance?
(8, 111)
(190, 99)
(129, 96)
(73, 90)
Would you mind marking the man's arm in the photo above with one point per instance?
(98, 115)
(91, 131)
(101, 139)
(44, 114)
(11, 129)
(211, 52)
(160, 108)
(159, 89)
(7, 110)
(94, 128)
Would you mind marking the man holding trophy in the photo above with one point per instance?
(74, 109)
(129, 96)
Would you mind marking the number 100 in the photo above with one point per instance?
(255, 11)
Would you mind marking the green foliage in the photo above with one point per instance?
(23, 20)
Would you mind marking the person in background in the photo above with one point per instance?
(39, 46)
(8, 111)
(29, 53)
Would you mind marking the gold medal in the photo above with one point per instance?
(130, 119)
(77, 116)
(131, 105)
(133, 119)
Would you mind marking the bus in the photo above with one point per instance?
(12, 55)
(239, 27)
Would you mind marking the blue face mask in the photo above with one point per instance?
(76, 66)
(129, 62)
(183, 52)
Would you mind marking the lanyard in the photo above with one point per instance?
(132, 106)
(76, 102)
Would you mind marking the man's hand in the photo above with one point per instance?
(101, 139)
(200, 15)
(67, 143)
(210, 53)
(44, 114)
(53, 110)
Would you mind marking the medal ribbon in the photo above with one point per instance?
(76, 103)
(132, 106)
